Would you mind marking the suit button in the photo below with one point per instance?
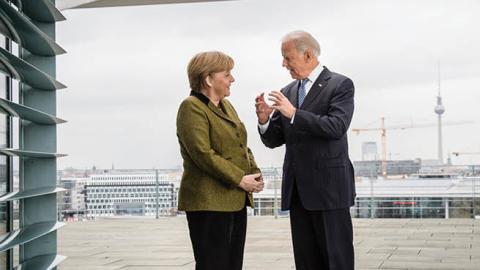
(238, 135)
(241, 145)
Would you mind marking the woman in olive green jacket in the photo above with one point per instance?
(220, 172)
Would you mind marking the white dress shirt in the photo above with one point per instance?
(308, 85)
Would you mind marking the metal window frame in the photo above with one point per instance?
(9, 165)
(34, 68)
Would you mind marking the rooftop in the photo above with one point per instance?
(145, 244)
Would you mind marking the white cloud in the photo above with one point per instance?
(125, 69)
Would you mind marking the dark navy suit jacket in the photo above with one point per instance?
(316, 157)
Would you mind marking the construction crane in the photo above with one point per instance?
(465, 153)
(383, 134)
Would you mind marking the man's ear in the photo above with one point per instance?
(308, 55)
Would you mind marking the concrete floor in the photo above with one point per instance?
(146, 244)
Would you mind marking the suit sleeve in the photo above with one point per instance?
(273, 136)
(193, 133)
(335, 123)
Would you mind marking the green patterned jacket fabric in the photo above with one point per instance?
(213, 145)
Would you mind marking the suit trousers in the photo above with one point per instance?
(218, 239)
(321, 239)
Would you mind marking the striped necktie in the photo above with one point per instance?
(302, 92)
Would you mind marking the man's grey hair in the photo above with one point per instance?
(303, 41)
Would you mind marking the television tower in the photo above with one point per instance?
(439, 110)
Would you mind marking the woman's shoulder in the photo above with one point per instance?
(190, 102)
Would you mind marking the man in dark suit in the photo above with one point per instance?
(311, 116)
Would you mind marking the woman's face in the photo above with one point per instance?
(221, 82)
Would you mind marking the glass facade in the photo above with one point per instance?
(4, 215)
(416, 207)
(129, 198)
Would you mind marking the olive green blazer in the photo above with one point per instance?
(213, 144)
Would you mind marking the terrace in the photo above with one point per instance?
(143, 243)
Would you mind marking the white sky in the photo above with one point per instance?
(126, 72)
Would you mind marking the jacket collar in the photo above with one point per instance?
(200, 96)
(319, 84)
(204, 99)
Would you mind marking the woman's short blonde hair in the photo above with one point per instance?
(205, 63)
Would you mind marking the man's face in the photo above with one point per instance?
(295, 61)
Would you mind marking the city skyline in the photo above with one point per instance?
(126, 73)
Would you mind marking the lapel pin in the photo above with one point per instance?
(320, 84)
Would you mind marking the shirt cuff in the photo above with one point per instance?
(263, 128)
(293, 117)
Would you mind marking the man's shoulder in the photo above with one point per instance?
(337, 77)
(289, 86)
(340, 82)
